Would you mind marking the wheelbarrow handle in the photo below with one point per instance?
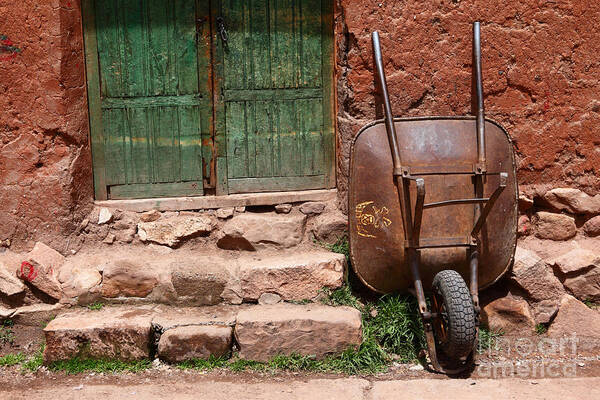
(477, 96)
(387, 107)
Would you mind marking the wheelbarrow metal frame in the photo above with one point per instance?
(404, 176)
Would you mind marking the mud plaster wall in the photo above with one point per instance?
(45, 166)
(541, 68)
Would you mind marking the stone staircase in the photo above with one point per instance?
(186, 285)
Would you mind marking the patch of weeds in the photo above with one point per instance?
(487, 339)
(341, 297)
(12, 359)
(78, 365)
(95, 306)
(540, 329)
(204, 365)
(34, 362)
(239, 365)
(591, 304)
(341, 246)
(6, 334)
(397, 326)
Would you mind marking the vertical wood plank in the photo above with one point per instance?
(310, 43)
(237, 154)
(259, 43)
(264, 138)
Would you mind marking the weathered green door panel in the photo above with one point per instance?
(276, 97)
(155, 96)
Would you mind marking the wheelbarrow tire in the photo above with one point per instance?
(460, 329)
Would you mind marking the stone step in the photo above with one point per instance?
(175, 334)
(158, 275)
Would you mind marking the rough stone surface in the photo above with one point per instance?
(251, 231)
(592, 226)
(109, 239)
(585, 286)
(200, 280)
(122, 333)
(169, 317)
(509, 315)
(172, 231)
(574, 317)
(554, 226)
(524, 226)
(77, 279)
(577, 260)
(525, 203)
(36, 314)
(104, 216)
(534, 276)
(194, 342)
(150, 216)
(573, 200)
(312, 208)
(330, 227)
(128, 278)
(293, 276)
(225, 213)
(41, 268)
(283, 208)
(9, 284)
(266, 299)
(545, 310)
(263, 332)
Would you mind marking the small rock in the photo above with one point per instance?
(544, 311)
(194, 342)
(128, 278)
(9, 284)
(251, 231)
(573, 201)
(269, 298)
(555, 226)
(525, 203)
(109, 239)
(592, 226)
(416, 367)
(40, 268)
(312, 208)
(172, 231)
(126, 236)
(585, 286)
(241, 209)
(105, 216)
(225, 213)
(83, 225)
(330, 227)
(509, 315)
(576, 260)
(574, 317)
(524, 225)
(534, 276)
(150, 216)
(77, 279)
(283, 208)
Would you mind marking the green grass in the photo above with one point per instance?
(95, 306)
(78, 365)
(487, 339)
(591, 304)
(204, 365)
(11, 359)
(7, 335)
(540, 329)
(33, 363)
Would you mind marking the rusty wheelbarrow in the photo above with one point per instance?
(433, 205)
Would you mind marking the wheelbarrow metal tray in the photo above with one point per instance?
(442, 151)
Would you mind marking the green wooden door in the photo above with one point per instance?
(274, 103)
(155, 102)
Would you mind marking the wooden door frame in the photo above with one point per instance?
(329, 109)
(96, 129)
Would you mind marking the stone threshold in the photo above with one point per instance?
(211, 202)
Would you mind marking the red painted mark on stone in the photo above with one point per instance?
(8, 50)
(31, 275)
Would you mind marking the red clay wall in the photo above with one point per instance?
(45, 167)
(541, 69)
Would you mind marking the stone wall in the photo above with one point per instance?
(541, 61)
(45, 165)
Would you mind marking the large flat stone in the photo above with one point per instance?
(573, 200)
(194, 342)
(251, 231)
(172, 231)
(169, 317)
(40, 269)
(128, 278)
(201, 280)
(508, 315)
(77, 278)
(554, 226)
(293, 276)
(263, 332)
(122, 333)
(9, 284)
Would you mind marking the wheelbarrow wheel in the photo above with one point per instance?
(454, 326)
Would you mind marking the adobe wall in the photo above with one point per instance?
(541, 63)
(45, 166)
